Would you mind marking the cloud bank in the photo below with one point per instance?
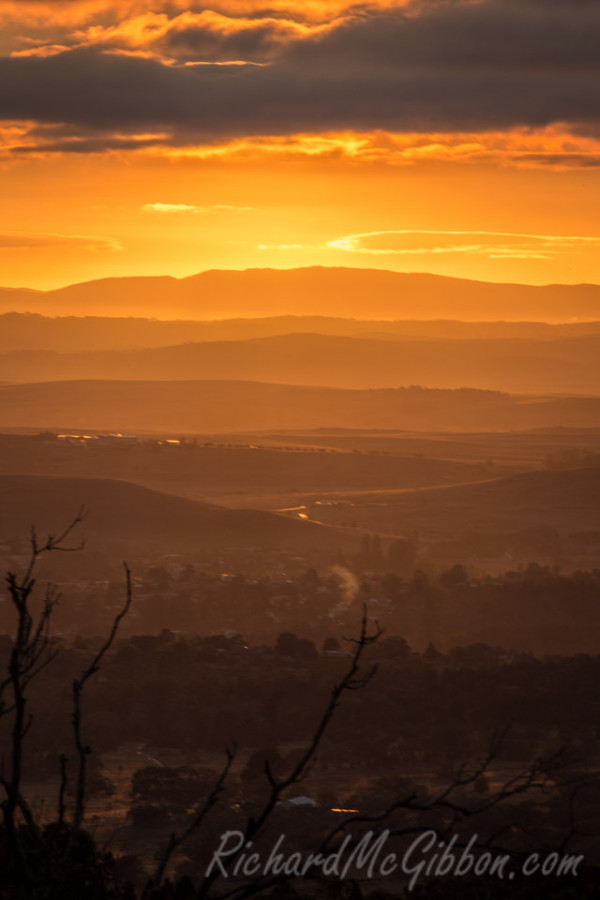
(207, 77)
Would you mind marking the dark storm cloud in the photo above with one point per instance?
(558, 160)
(506, 33)
(447, 66)
(86, 145)
(255, 43)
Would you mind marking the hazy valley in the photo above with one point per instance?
(268, 479)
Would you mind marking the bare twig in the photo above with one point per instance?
(176, 841)
(62, 789)
(353, 679)
(83, 750)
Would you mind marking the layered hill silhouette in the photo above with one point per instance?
(66, 334)
(119, 511)
(219, 294)
(518, 365)
(205, 407)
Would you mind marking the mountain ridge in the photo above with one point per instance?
(221, 293)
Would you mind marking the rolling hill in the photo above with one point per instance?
(203, 472)
(219, 294)
(568, 501)
(516, 365)
(65, 334)
(209, 407)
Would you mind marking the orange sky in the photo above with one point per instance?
(186, 139)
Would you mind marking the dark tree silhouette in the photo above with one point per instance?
(39, 857)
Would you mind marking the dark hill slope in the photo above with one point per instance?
(568, 501)
(119, 511)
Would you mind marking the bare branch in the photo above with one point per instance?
(62, 790)
(78, 685)
(53, 544)
(176, 841)
(351, 680)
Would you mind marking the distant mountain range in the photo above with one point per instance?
(209, 407)
(518, 365)
(65, 334)
(219, 294)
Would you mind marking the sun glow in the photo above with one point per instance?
(221, 115)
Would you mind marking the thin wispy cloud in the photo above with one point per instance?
(21, 240)
(176, 208)
(282, 247)
(492, 244)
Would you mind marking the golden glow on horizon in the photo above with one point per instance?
(300, 200)
(83, 199)
(182, 216)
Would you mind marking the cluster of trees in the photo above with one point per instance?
(538, 609)
(428, 708)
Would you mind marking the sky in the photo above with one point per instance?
(458, 137)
